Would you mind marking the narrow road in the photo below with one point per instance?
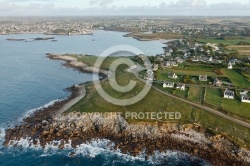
(240, 122)
(68, 105)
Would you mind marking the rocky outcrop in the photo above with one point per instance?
(74, 63)
(129, 138)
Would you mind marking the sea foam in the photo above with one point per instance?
(100, 147)
(32, 111)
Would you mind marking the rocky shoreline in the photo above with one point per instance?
(45, 126)
(80, 66)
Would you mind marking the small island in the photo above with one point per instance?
(14, 39)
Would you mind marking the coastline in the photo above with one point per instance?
(47, 125)
(45, 33)
(72, 62)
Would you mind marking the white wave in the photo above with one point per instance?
(98, 147)
(32, 111)
(2, 135)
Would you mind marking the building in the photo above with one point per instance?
(217, 82)
(203, 78)
(168, 85)
(228, 94)
(181, 86)
(230, 66)
(245, 99)
(156, 67)
(172, 75)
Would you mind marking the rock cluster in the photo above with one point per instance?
(129, 138)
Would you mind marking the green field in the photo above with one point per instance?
(237, 79)
(243, 50)
(225, 42)
(155, 102)
(181, 94)
(195, 94)
(213, 96)
(156, 36)
(162, 73)
(194, 67)
(236, 107)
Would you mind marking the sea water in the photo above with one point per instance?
(29, 80)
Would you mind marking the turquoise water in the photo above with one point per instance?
(29, 80)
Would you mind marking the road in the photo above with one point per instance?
(66, 107)
(240, 122)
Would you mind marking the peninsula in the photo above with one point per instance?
(81, 124)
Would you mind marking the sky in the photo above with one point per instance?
(124, 7)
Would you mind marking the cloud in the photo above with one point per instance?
(191, 3)
(100, 2)
(104, 7)
(6, 6)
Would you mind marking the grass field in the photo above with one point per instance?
(236, 107)
(156, 36)
(180, 93)
(242, 49)
(162, 73)
(195, 94)
(195, 68)
(213, 96)
(225, 42)
(236, 78)
(155, 102)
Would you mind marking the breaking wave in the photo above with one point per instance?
(106, 150)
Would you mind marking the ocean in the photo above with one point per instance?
(28, 80)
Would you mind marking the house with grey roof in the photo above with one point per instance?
(203, 78)
(228, 94)
(172, 75)
(181, 86)
(217, 82)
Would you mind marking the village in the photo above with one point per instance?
(203, 73)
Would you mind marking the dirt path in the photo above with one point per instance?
(66, 107)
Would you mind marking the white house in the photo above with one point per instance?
(230, 66)
(228, 94)
(172, 75)
(203, 78)
(245, 99)
(210, 59)
(181, 87)
(217, 82)
(156, 67)
(168, 85)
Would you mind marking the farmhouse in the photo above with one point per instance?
(230, 66)
(181, 87)
(203, 78)
(156, 67)
(245, 99)
(168, 85)
(228, 94)
(172, 75)
(217, 82)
